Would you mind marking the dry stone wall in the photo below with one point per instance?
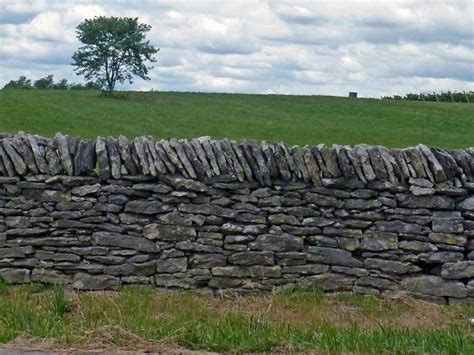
(220, 215)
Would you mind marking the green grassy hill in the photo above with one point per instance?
(293, 119)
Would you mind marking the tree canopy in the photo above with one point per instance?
(114, 50)
(22, 83)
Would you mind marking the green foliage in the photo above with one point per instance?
(444, 96)
(60, 302)
(90, 85)
(114, 50)
(293, 119)
(3, 286)
(22, 83)
(45, 83)
(61, 85)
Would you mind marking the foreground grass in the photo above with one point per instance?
(293, 119)
(142, 319)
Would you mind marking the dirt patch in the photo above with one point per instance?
(100, 343)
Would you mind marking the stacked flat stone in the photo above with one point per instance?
(219, 215)
(210, 160)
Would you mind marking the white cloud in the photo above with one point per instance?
(262, 46)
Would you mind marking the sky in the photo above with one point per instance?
(313, 47)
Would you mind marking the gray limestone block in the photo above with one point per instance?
(123, 146)
(22, 146)
(114, 158)
(15, 276)
(364, 159)
(39, 154)
(391, 266)
(377, 241)
(109, 239)
(171, 265)
(435, 286)
(102, 158)
(330, 281)
(87, 282)
(332, 256)
(277, 242)
(210, 155)
(458, 270)
(14, 157)
(434, 165)
(252, 258)
(65, 147)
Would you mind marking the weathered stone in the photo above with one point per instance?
(377, 241)
(398, 227)
(417, 246)
(329, 281)
(144, 207)
(309, 269)
(380, 283)
(171, 265)
(169, 232)
(86, 190)
(433, 163)
(391, 266)
(224, 282)
(283, 219)
(422, 191)
(124, 241)
(441, 257)
(254, 229)
(252, 258)
(86, 282)
(114, 158)
(432, 202)
(238, 239)
(255, 271)
(360, 204)
(15, 276)
(277, 242)
(38, 153)
(127, 269)
(435, 286)
(50, 276)
(207, 261)
(13, 157)
(124, 150)
(444, 238)
(350, 271)
(332, 256)
(447, 222)
(318, 221)
(102, 158)
(16, 252)
(197, 247)
(155, 163)
(323, 201)
(458, 270)
(466, 205)
(208, 210)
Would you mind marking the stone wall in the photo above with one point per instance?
(217, 215)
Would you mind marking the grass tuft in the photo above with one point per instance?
(60, 303)
(304, 319)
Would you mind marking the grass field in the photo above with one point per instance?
(34, 316)
(293, 119)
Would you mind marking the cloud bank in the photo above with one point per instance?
(261, 46)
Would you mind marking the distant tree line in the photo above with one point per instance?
(444, 96)
(48, 83)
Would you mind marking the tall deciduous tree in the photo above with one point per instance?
(114, 50)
